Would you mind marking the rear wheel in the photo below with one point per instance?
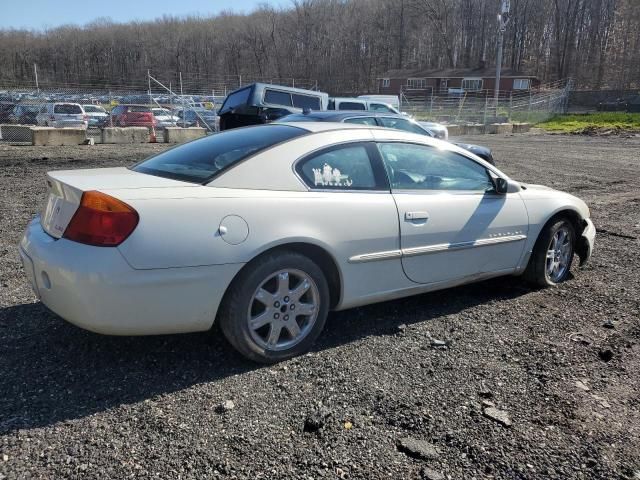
(276, 307)
(552, 255)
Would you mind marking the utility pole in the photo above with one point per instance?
(503, 19)
(35, 71)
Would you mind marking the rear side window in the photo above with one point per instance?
(362, 121)
(235, 99)
(199, 161)
(275, 97)
(380, 107)
(305, 101)
(345, 167)
(67, 108)
(351, 106)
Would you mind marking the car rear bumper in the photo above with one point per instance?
(96, 289)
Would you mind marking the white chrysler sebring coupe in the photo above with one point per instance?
(264, 229)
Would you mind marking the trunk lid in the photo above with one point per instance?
(65, 189)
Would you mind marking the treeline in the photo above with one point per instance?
(343, 44)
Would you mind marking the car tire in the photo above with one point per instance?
(260, 306)
(552, 255)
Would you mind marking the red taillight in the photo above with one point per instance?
(101, 220)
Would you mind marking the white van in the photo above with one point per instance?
(60, 115)
(392, 100)
(349, 103)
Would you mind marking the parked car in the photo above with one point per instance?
(97, 116)
(60, 115)
(24, 114)
(262, 103)
(347, 103)
(132, 116)
(192, 117)
(265, 229)
(5, 112)
(395, 121)
(164, 117)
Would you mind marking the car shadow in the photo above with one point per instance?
(53, 371)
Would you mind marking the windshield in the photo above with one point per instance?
(199, 161)
(235, 99)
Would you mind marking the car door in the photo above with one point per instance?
(452, 222)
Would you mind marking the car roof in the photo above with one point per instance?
(322, 126)
(339, 115)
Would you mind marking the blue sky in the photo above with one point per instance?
(39, 14)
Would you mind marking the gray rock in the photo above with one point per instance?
(430, 474)
(497, 415)
(417, 448)
(225, 406)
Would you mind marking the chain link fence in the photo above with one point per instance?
(161, 101)
(482, 107)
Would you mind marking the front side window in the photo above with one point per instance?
(199, 161)
(274, 97)
(421, 167)
(305, 101)
(401, 124)
(346, 167)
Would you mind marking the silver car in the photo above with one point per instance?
(60, 115)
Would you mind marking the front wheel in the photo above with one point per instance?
(552, 255)
(276, 307)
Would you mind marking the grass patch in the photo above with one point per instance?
(592, 121)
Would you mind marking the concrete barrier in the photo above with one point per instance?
(49, 136)
(181, 135)
(474, 129)
(454, 130)
(16, 133)
(125, 135)
(521, 127)
(495, 128)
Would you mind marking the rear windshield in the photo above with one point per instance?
(199, 161)
(94, 109)
(139, 108)
(67, 108)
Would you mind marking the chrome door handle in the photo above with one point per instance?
(411, 216)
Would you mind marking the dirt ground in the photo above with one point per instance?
(376, 398)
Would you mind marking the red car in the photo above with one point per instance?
(132, 116)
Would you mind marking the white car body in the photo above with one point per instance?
(164, 117)
(172, 272)
(437, 129)
(61, 115)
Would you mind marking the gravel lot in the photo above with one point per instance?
(376, 398)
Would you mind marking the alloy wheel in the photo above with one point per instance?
(283, 309)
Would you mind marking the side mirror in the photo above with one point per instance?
(501, 185)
